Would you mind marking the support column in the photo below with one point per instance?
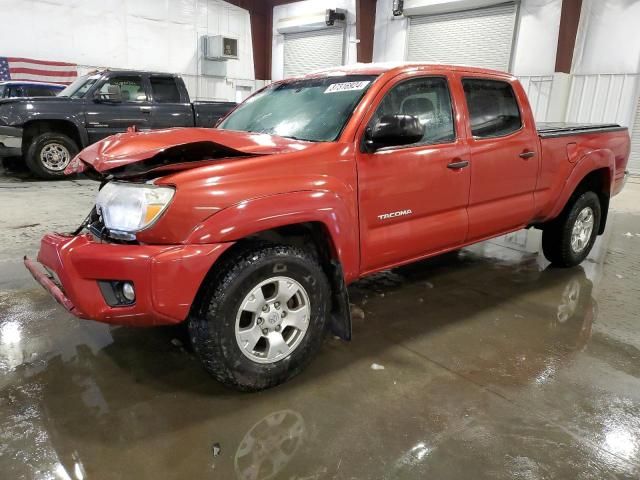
(261, 19)
(569, 19)
(365, 27)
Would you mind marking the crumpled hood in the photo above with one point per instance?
(178, 146)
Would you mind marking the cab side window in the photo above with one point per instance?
(493, 108)
(426, 98)
(130, 86)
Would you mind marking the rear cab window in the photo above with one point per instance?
(493, 108)
(164, 90)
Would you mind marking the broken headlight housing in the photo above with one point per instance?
(127, 208)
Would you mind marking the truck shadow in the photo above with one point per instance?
(14, 169)
(494, 321)
(539, 313)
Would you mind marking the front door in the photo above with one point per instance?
(504, 159)
(105, 117)
(413, 198)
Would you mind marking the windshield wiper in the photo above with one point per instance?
(299, 138)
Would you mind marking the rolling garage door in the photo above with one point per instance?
(634, 159)
(308, 51)
(481, 37)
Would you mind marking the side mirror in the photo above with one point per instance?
(393, 130)
(114, 94)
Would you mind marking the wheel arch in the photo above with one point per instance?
(33, 128)
(594, 172)
(317, 220)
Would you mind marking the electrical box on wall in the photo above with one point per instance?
(220, 47)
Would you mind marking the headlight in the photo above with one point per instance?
(128, 208)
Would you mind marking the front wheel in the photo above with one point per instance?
(567, 240)
(49, 154)
(262, 318)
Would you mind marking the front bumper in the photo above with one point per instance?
(10, 141)
(166, 277)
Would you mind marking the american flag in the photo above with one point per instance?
(15, 68)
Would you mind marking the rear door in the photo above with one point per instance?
(504, 157)
(171, 107)
(105, 117)
(413, 198)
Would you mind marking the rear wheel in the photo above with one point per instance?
(262, 318)
(49, 154)
(567, 240)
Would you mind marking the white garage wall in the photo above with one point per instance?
(308, 7)
(608, 38)
(534, 49)
(390, 35)
(161, 35)
(537, 38)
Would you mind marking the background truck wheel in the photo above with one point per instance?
(567, 240)
(261, 319)
(49, 154)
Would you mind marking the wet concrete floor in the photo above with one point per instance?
(495, 366)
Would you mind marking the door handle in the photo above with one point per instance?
(527, 154)
(458, 164)
(145, 109)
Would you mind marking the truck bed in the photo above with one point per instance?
(559, 129)
(207, 113)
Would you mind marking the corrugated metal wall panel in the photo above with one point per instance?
(597, 98)
(482, 37)
(608, 98)
(538, 88)
(308, 51)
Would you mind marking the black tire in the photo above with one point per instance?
(213, 318)
(33, 157)
(556, 236)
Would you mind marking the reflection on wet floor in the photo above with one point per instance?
(495, 366)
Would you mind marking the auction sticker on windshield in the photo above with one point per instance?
(346, 86)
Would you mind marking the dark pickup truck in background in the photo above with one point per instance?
(23, 88)
(48, 132)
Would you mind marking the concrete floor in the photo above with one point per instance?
(495, 366)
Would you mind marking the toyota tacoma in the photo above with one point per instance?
(251, 232)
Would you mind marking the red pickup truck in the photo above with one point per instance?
(250, 233)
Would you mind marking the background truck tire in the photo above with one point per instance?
(557, 235)
(213, 322)
(49, 154)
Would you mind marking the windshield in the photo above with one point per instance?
(314, 109)
(79, 87)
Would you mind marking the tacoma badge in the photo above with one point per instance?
(399, 213)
